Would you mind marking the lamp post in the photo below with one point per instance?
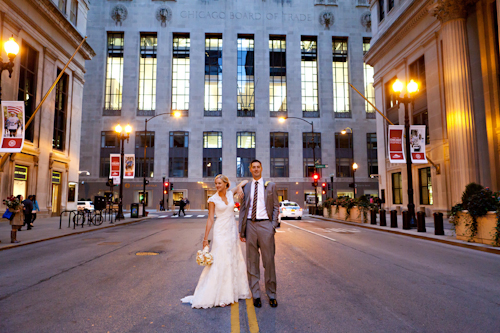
(406, 99)
(122, 136)
(282, 119)
(12, 49)
(176, 114)
(344, 132)
(354, 168)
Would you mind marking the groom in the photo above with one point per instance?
(258, 221)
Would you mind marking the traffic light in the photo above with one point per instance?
(315, 179)
(329, 187)
(351, 184)
(171, 186)
(146, 182)
(165, 187)
(323, 185)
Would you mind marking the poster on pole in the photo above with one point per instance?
(114, 164)
(129, 166)
(396, 146)
(13, 126)
(417, 144)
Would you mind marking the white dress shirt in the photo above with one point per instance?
(261, 204)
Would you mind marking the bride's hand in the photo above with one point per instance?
(205, 243)
(243, 183)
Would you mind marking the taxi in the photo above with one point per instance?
(290, 209)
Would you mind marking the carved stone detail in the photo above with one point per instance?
(447, 10)
(119, 14)
(366, 21)
(326, 18)
(164, 15)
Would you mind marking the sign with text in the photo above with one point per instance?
(396, 151)
(12, 127)
(114, 165)
(417, 144)
(129, 166)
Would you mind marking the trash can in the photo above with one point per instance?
(134, 210)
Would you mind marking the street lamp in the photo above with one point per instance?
(282, 120)
(123, 134)
(354, 168)
(176, 114)
(344, 132)
(406, 99)
(12, 49)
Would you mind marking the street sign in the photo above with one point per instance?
(319, 166)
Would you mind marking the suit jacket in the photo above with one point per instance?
(272, 205)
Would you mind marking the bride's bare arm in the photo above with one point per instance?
(238, 191)
(210, 222)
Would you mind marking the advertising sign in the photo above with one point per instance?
(396, 150)
(13, 127)
(417, 144)
(114, 164)
(129, 166)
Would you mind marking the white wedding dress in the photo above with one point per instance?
(225, 281)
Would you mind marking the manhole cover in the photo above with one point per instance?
(149, 253)
(109, 243)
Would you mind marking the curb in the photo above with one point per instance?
(8, 247)
(392, 231)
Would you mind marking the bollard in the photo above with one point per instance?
(383, 222)
(421, 222)
(373, 216)
(394, 218)
(406, 220)
(438, 224)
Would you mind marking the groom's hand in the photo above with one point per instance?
(243, 239)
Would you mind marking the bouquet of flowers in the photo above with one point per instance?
(12, 203)
(204, 258)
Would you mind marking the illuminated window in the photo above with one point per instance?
(114, 72)
(212, 154)
(245, 153)
(180, 72)
(397, 188)
(61, 103)
(277, 76)
(340, 66)
(369, 90)
(246, 85)
(147, 72)
(425, 181)
(309, 77)
(213, 75)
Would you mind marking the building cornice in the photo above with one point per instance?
(447, 10)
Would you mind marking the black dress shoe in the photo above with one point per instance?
(273, 302)
(257, 303)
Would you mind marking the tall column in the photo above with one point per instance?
(459, 101)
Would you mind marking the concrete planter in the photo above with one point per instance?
(485, 227)
(355, 215)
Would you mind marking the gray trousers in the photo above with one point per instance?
(260, 235)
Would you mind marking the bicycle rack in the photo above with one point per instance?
(69, 219)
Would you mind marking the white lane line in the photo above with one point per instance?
(163, 216)
(200, 215)
(174, 216)
(309, 231)
(188, 215)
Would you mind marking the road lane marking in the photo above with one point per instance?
(174, 216)
(163, 216)
(200, 216)
(188, 215)
(309, 231)
(235, 318)
(253, 325)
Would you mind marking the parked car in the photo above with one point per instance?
(81, 205)
(290, 209)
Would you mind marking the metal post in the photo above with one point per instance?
(163, 200)
(144, 170)
(168, 193)
(120, 203)
(411, 205)
(354, 181)
(314, 163)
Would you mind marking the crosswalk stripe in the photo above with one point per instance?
(174, 216)
(200, 216)
(163, 216)
(188, 215)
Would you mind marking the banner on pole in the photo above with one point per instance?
(417, 144)
(13, 126)
(129, 166)
(396, 149)
(114, 164)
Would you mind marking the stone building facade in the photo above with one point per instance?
(48, 32)
(452, 49)
(232, 69)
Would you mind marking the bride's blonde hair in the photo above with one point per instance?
(224, 179)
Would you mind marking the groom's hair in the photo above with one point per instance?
(255, 161)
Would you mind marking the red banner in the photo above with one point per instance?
(114, 164)
(396, 144)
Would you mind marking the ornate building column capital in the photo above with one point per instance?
(447, 10)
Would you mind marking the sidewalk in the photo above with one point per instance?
(448, 238)
(48, 228)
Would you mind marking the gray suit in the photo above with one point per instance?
(260, 235)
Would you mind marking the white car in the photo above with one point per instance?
(82, 205)
(290, 209)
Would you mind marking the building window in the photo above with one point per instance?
(309, 77)
(178, 154)
(245, 153)
(397, 188)
(381, 10)
(27, 86)
(181, 72)
(59, 133)
(343, 154)
(369, 90)
(246, 86)
(424, 176)
(279, 154)
(391, 108)
(213, 75)
(73, 16)
(311, 141)
(371, 143)
(144, 139)
(340, 65)
(62, 6)
(277, 76)
(390, 5)
(114, 72)
(109, 145)
(20, 180)
(212, 154)
(420, 113)
(147, 72)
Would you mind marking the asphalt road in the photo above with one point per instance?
(331, 278)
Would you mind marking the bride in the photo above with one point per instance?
(225, 281)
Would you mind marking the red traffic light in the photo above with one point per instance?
(166, 184)
(324, 184)
(164, 192)
(315, 176)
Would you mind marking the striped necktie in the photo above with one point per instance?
(254, 204)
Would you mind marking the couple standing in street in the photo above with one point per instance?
(228, 279)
